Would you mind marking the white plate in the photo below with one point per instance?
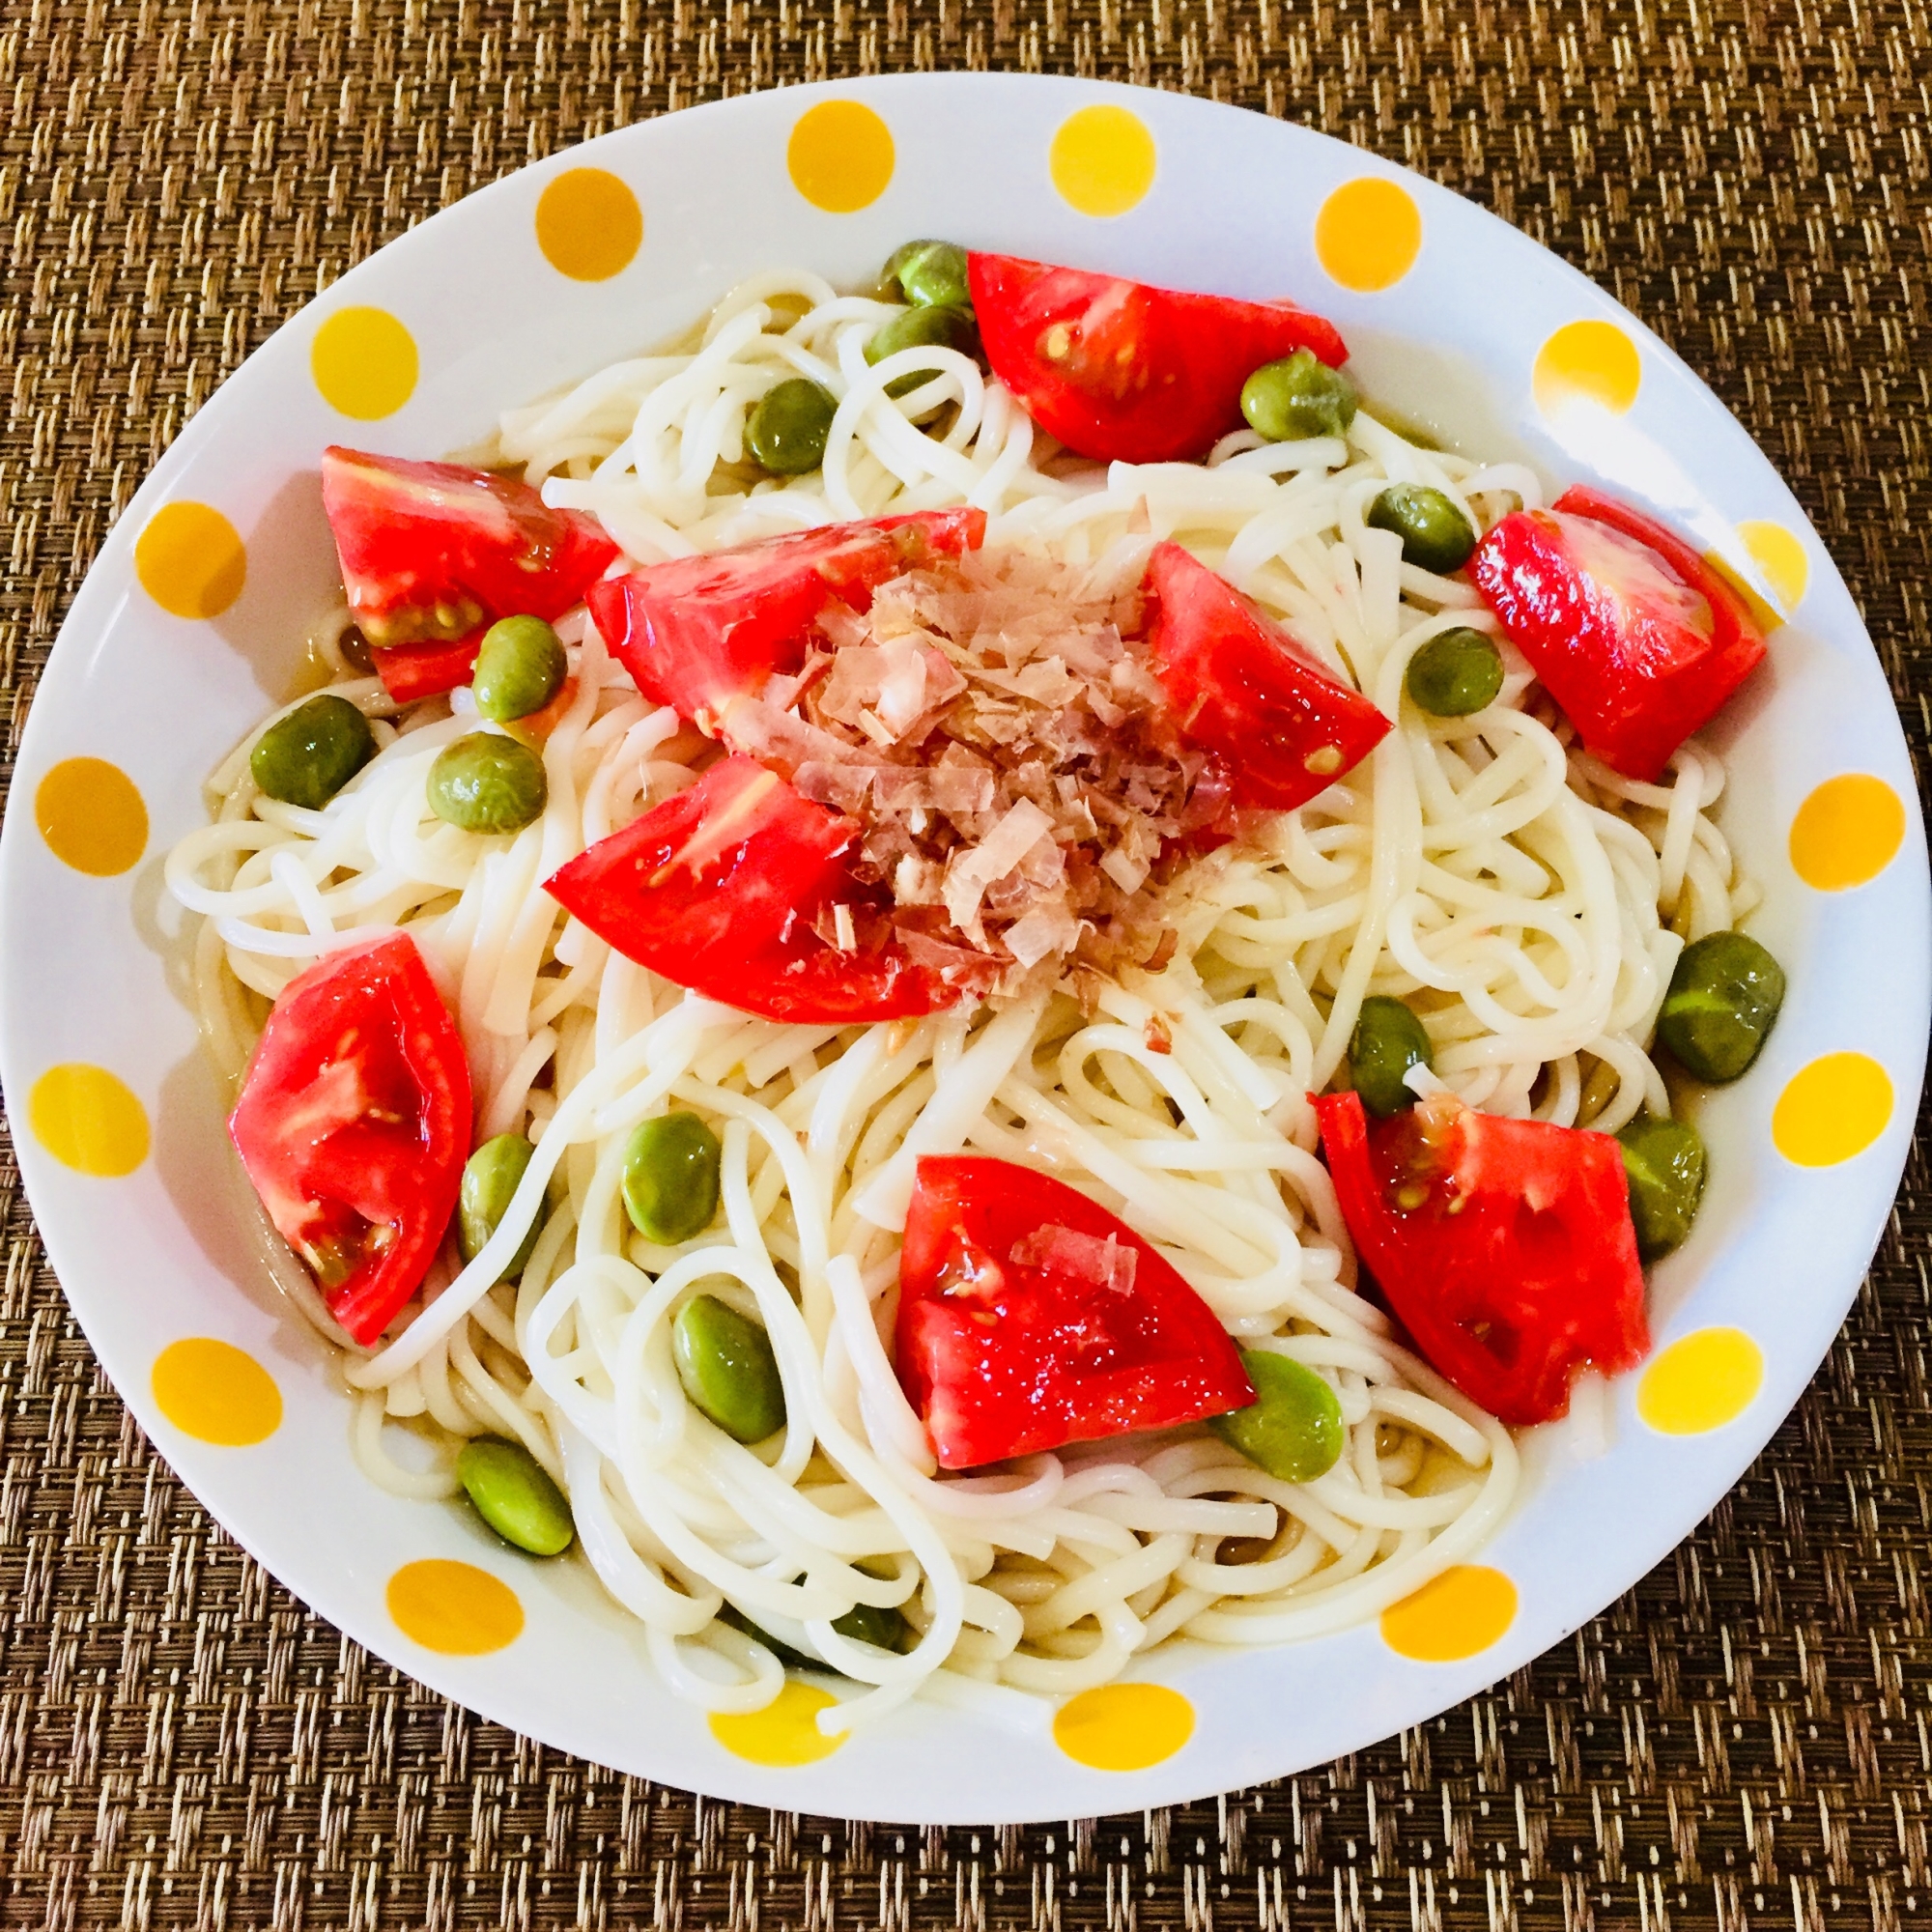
(92, 974)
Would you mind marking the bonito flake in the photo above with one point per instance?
(993, 724)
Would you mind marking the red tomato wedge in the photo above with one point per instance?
(1241, 686)
(1029, 1318)
(1631, 631)
(354, 1124)
(715, 890)
(409, 671)
(808, 982)
(1125, 373)
(1504, 1247)
(699, 631)
(433, 551)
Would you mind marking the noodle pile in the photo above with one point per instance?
(1526, 901)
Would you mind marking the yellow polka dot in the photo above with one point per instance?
(92, 816)
(1701, 1382)
(841, 155)
(364, 363)
(1832, 1110)
(88, 1119)
(1462, 1611)
(1369, 233)
(1102, 160)
(1123, 1726)
(1781, 557)
(216, 1393)
(1596, 359)
(589, 224)
(191, 560)
(1847, 832)
(454, 1608)
(785, 1733)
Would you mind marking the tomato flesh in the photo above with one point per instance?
(409, 671)
(1631, 631)
(1125, 373)
(715, 890)
(1241, 686)
(699, 631)
(1504, 1247)
(354, 1124)
(1004, 1354)
(431, 554)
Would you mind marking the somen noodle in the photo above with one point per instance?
(1524, 898)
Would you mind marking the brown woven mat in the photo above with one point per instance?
(1745, 1740)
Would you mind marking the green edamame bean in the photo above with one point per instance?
(520, 667)
(1723, 1003)
(929, 274)
(1293, 1428)
(728, 1369)
(1454, 674)
(491, 1177)
(921, 329)
(487, 782)
(1436, 536)
(1298, 396)
(872, 1623)
(1387, 1041)
(670, 1178)
(514, 1495)
(308, 757)
(1663, 1161)
(785, 434)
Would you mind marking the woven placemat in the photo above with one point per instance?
(1743, 1740)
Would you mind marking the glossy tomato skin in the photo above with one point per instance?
(1241, 686)
(715, 890)
(1637, 638)
(722, 866)
(1125, 373)
(699, 631)
(433, 552)
(354, 1123)
(1504, 1247)
(1004, 1358)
